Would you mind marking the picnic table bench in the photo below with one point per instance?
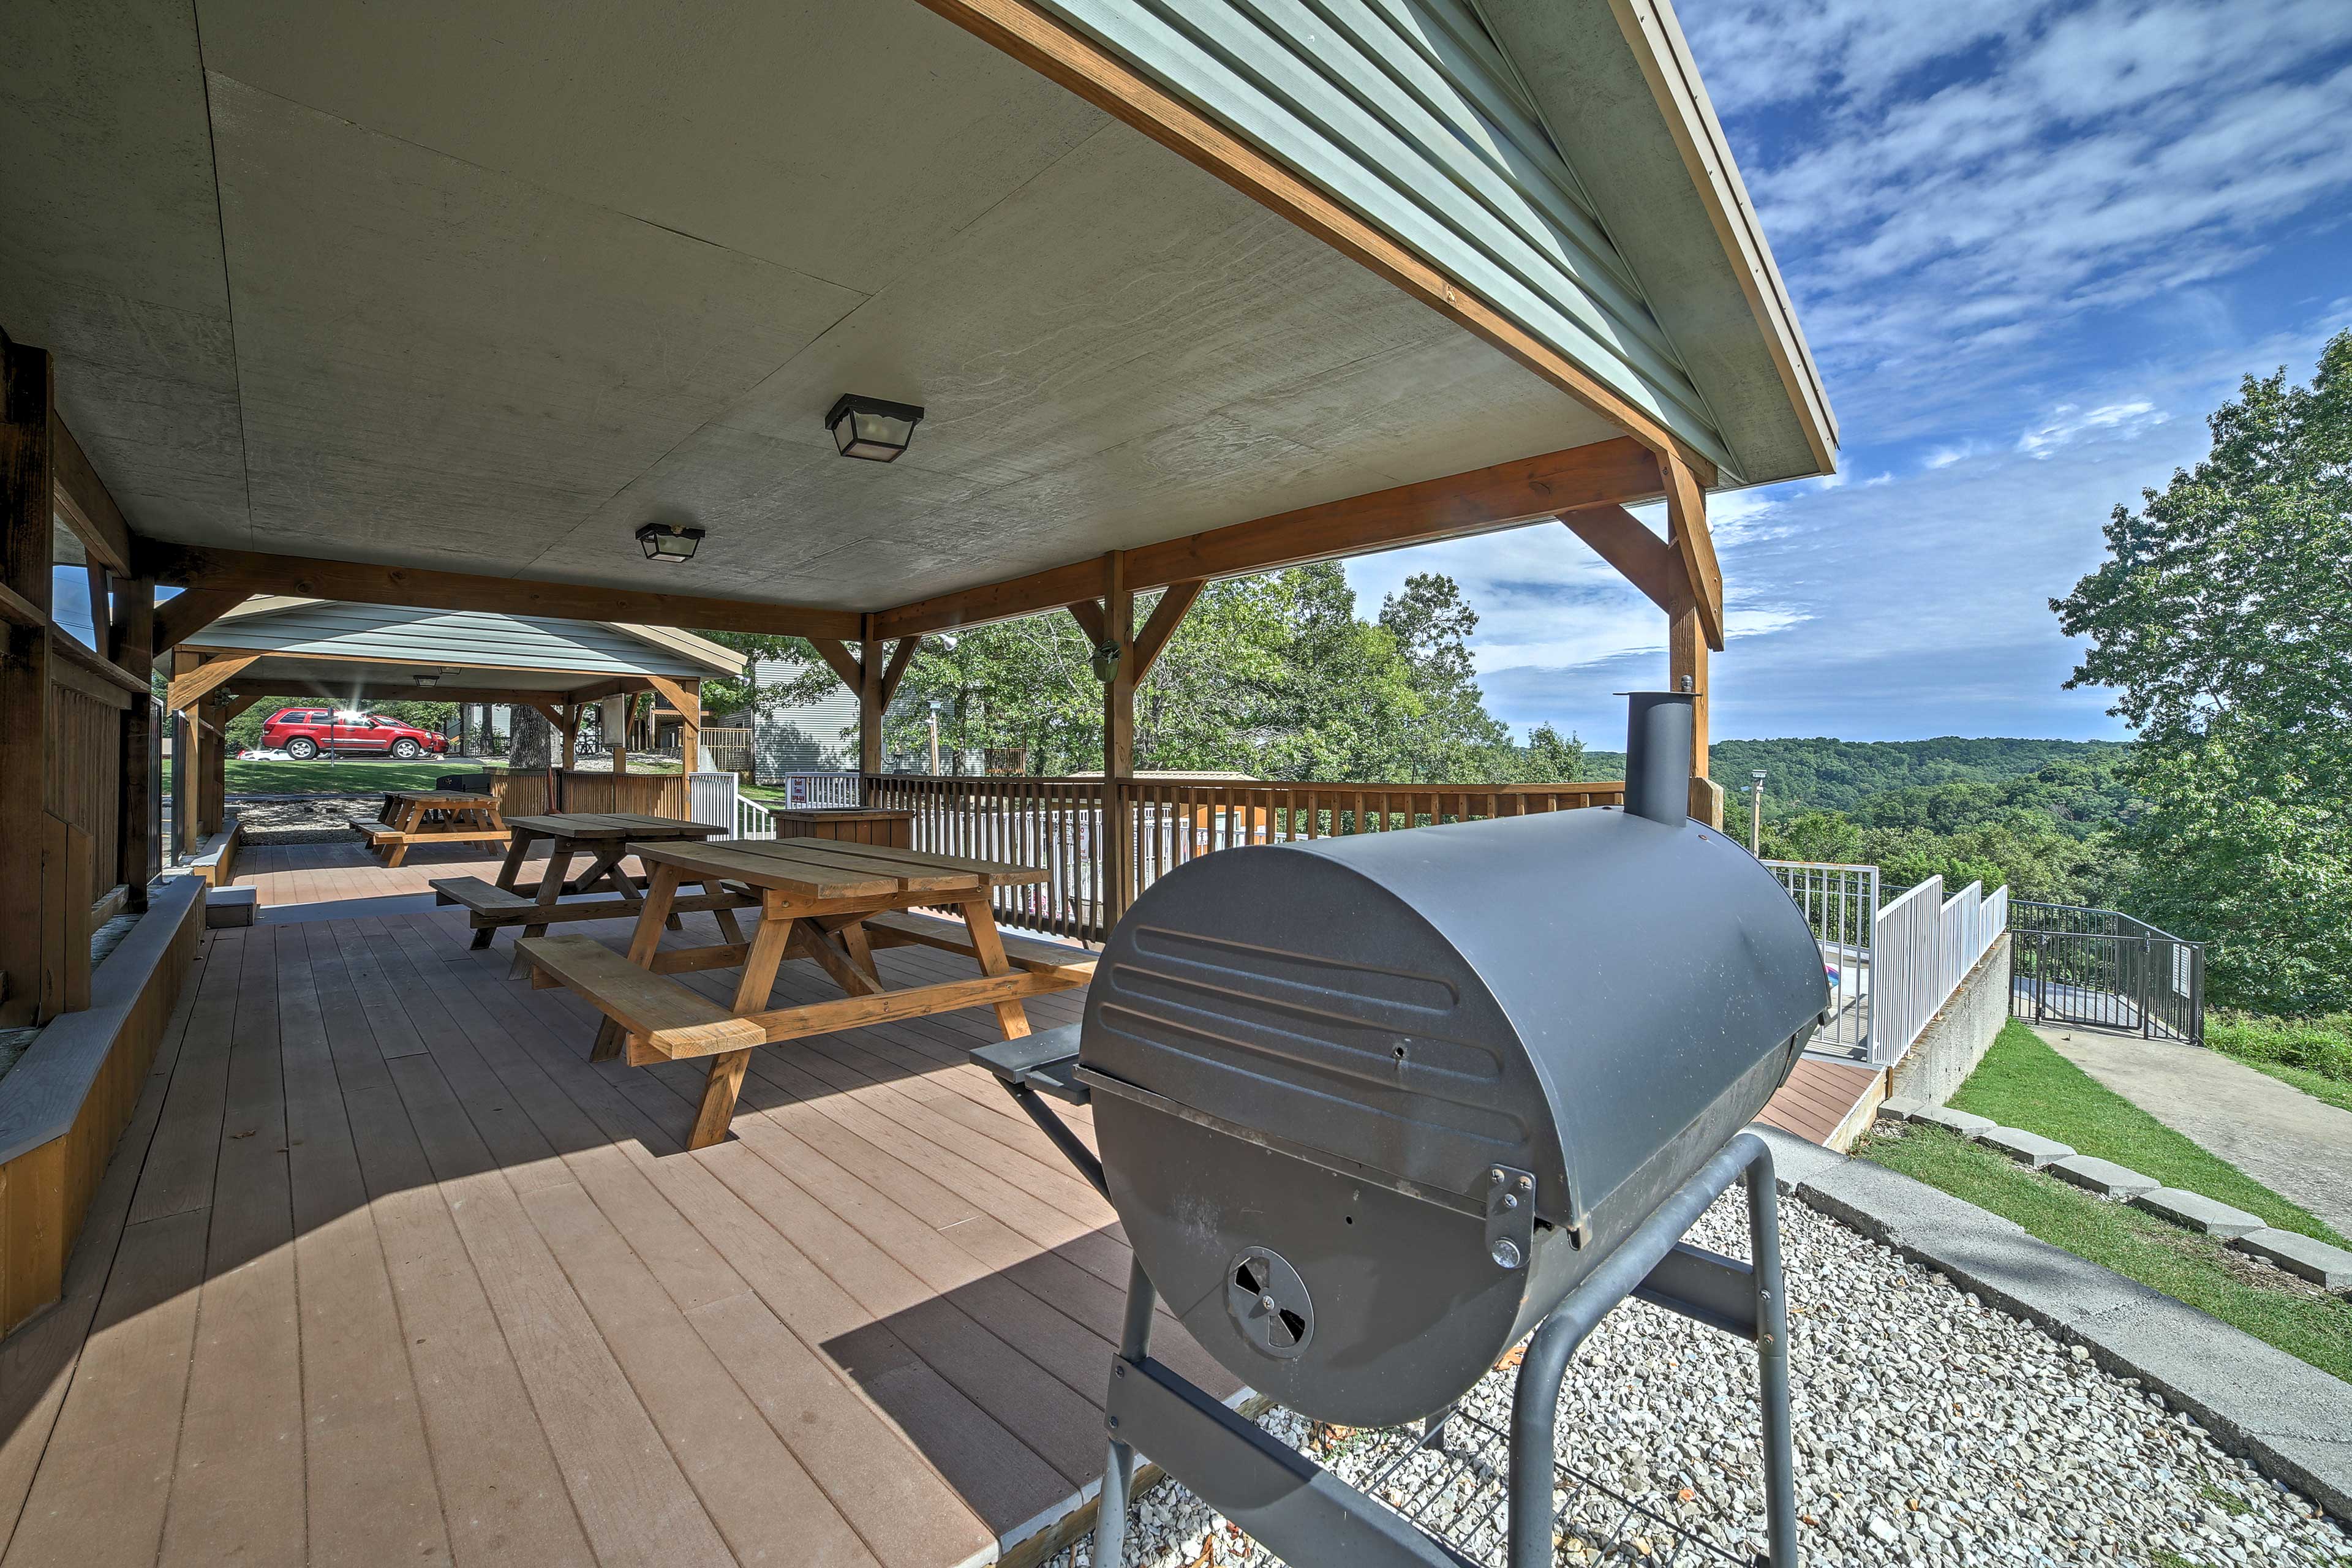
(832, 902)
(607, 837)
(430, 816)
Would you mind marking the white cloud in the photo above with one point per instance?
(1947, 186)
(2067, 423)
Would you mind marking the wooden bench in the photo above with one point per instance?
(490, 906)
(672, 1020)
(1059, 961)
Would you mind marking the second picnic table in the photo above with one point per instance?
(431, 817)
(606, 837)
(832, 902)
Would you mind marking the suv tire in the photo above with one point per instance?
(406, 750)
(301, 748)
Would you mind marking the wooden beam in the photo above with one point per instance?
(1640, 557)
(225, 711)
(187, 688)
(83, 501)
(1504, 496)
(571, 735)
(1088, 613)
(549, 711)
(686, 697)
(1118, 738)
(1695, 547)
(18, 611)
(134, 652)
(183, 616)
(66, 650)
(1166, 615)
(870, 701)
(26, 548)
(843, 662)
(1043, 43)
(901, 657)
(366, 583)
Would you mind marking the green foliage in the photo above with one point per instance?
(245, 730)
(727, 698)
(1824, 774)
(2222, 620)
(2315, 1055)
(1275, 676)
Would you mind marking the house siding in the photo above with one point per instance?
(1407, 112)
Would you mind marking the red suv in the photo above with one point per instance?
(303, 733)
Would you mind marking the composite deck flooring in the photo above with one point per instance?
(387, 1272)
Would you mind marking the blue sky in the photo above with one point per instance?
(2032, 245)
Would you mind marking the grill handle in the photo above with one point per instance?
(1659, 739)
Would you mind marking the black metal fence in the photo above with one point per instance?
(2105, 970)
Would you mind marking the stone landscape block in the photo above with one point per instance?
(2103, 1176)
(230, 907)
(1966, 1123)
(2300, 1256)
(2198, 1213)
(1899, 1109)
(2028, 1149)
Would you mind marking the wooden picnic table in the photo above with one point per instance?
(830, 901)
(607, 837)
(431, 817)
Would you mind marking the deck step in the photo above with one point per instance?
(1062, 962)
(673, 1020)
(481, 897)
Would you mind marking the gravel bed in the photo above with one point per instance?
(1929, 1428)
(302, 819)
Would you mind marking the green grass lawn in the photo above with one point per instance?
(2023, 1083)
(356, 775)
(2315, 1055)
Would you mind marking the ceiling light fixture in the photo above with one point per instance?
(872, 427)
(663, 542)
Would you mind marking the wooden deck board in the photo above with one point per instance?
(462, 1296)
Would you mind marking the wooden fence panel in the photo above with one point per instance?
(81, 783)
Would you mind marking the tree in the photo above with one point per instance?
(531, 746)
(2222, 620)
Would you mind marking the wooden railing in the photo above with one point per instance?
(521, 792)
(1057, 823)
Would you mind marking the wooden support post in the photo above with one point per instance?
(214, 745)
(27, 486)
(1694, 618)
(1686, 653)
(685, 695)
(869, 700)
(1119, 738)
(571, 734)
(133, 639)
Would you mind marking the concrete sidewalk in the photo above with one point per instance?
(2299, 1147)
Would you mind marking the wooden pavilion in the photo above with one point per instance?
(446, 311)
(350, 655)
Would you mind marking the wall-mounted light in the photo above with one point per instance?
(872, 427)
(426, 681)
(663, 542)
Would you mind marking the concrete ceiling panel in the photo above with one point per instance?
(843, 140)
(110, 253)
(439, 362)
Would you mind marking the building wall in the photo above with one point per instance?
(1957, 1038)
(820, 737)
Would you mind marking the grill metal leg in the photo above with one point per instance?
(1118, 1474)
(1772, 1360)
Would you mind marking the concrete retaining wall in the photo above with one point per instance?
(1957, 1038)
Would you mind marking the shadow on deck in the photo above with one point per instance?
(384, 1270)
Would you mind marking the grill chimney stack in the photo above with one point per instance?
(1659, 727)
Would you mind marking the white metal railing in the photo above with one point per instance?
(1890, 969)
(1840, 903)
(1927, 943)
(753, 819)
(818, 791)
(717, 799)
